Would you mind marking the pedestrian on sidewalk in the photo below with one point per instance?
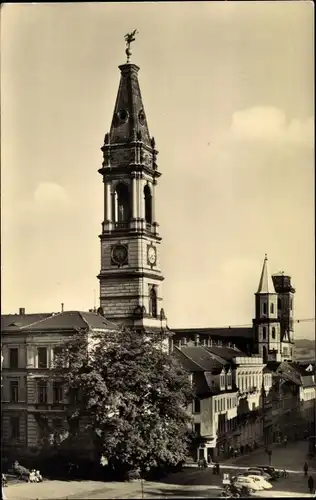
(305, 468)
(310, 483)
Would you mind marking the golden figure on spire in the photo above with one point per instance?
(129, 38)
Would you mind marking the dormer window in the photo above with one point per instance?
(222, 381)
(229, 380)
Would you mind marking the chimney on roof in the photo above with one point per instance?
(22, 311)
(62, 307)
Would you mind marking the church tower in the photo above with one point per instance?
(266, 324)
(285, 291)
(130, 276)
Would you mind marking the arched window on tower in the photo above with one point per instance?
(148, 204)
(273, 332)
(264, 308)
(272, 308)
(264, 333)
(122, 203)
(265, 354)
(279, 303)
(153, 302)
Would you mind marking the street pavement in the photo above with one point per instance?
(190, 482)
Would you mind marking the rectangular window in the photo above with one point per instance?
(14, 357)
(197, 429)
(14, 391)
(42, 357)
(229, 380)
(15, 427)
(196, 406)
(58, 393)
(42, 392)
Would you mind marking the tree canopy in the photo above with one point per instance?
(129, 394)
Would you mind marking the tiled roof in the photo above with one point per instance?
(227, 353)
(187, 363)
(288, 372)
(203, 358)
(245, 332)
(21, 320)
(67, 320)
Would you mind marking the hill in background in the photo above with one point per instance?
(305, 349)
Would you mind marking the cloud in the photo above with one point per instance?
(49, 193)
(268, 123)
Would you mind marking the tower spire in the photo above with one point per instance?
(265, 283)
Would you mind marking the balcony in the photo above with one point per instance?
(121, 226)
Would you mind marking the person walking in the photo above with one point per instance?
(310, 483)
(305, 468)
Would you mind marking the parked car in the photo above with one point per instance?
(265, 484)
(272, 471)
(248, 482)
(259, 472)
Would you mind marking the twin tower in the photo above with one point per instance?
(130, 276)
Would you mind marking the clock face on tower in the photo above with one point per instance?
(119, 254)
(151, 255)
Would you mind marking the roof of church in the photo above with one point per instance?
(245, 332)
(55, 321)
(265, 284)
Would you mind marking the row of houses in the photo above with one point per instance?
(240, 400)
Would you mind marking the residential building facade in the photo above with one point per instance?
(32, 402)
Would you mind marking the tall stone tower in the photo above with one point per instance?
(266, 324)
(285, 291)
(130, 276)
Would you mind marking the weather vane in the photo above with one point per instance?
(129, 38)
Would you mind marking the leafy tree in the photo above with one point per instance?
(130, 396)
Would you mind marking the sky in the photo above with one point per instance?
(228, 90)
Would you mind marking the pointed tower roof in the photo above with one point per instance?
(129, 121)
(128, 145)
(265, 283)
